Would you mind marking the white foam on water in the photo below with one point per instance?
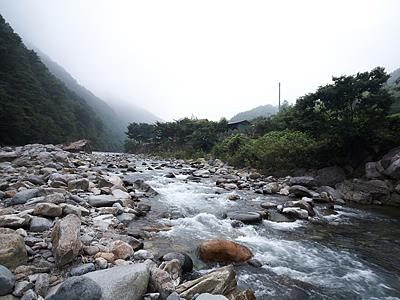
(284, 225)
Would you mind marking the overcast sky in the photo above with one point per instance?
(209, 58)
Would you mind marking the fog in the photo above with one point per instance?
(210, 59)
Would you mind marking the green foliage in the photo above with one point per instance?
(34, 105)
(183, 138)
(275, 150)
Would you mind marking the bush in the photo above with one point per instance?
(275, 150)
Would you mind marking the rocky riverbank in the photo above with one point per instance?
(82, 226)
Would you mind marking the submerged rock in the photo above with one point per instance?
(223, 251)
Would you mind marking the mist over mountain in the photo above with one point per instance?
(259, 111)
(36, 107)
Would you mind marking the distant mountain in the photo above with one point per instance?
(260, 111)
(35, 106)
(115, 114)
(131, 113)
(114, 126)
(394, 76)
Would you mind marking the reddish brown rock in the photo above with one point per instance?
(223, 251)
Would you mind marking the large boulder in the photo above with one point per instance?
(221, 281)
(330, 176)
(127, 282)
(301, 191)
(364, 191)
(12, 221)
(78, 146)
(66, 239)
(303, 180)
(12, 248)
(78, 288)
(7, 281)
(223, 251)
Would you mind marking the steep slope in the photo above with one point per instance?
(114, 126)
(36, 107)
(394, 87)
(394, 76)
(260, 111)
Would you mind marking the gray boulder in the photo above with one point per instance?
(128, 282)
(7, 281)
(301, 191)
(303, 180)
(22, 197)
(12, 248)
(39, 224)
(330, 176)
(78, 288)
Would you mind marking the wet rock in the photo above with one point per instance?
(268, 204)
(12, 221)
(42, 284)
(278, 217)
(79, 184)
(296, 212)
(223, 251)
(47, 210)
(123, 282)
(12, 248)
(126, 218)
(221, 281)
(246, 218)
(186, 261)
(144, 187)
(233, 197)
(39, 224)
(103, 200)
(301, 191)
(303, 181)
(82, 269)
(66, 239)
(78, 288)
(304, 204)
(121, 250)
(7, 281)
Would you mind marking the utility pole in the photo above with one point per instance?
(279, 103)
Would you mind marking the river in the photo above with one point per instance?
(354, 256)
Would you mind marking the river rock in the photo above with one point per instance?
(268, 205)
(223, 251)
(7, 281)
(66, 239)
(161, 282)
(12, 221)
(29, 295)
(78, 288)
(246, 218)
(103, 200)
(363, 191)
(127, 282)
(21, 287)
(121, 250)
(82, 269)
(221, 281)
(79, 184)
(42, 284)
(39, 224)
(12, 248)
(303, 180)
(78, 146)
(22, 197)
(186, 261)
(304, 204)
(301, 191)
(47, 210)
(143, 255)
(296, 212)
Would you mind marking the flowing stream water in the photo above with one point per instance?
(355, 256)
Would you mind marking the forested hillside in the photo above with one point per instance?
(260, 111)
(114, 126)
(394, 87)
(36, 107)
